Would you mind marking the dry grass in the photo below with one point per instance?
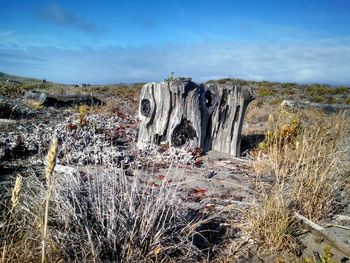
(98, 216)
(51, 163)
(308, 153)
(16, 191)
(271, 223)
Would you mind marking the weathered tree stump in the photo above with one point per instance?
(226, 106)
(187, 115)
(170, 112)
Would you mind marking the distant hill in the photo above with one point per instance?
(270, 91)
(4, 77)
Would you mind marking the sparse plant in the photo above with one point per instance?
(16, 191)
(51, 163)
(82, 115)
(37, 105)
(285, 132)
(170, 78)
(100, 216)
(327, 257)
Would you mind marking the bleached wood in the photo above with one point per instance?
(187, 115)
(341, 246)
(227, 117)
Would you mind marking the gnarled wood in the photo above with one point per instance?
(170, 112)
(226, 117)
(188, 115)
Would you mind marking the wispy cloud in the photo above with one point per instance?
(326, 61)
(57, 14)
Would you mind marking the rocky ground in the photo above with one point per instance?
(213, 183)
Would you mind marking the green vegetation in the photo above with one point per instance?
(319, 93)
(170, 78)
(265, 92)
(18, 89)
(4, 77)
(17, 86)
(131, 91)
(326, 94)
(317, 89)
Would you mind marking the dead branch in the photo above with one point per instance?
(329, 236)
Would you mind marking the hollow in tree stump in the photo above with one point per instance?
(227, 106)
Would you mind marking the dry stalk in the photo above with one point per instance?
(16, 191)
(51, 162)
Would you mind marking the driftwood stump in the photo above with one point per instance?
(187, 115)
(226, 106)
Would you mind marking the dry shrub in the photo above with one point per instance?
(309, 154)
(96, 217)
(314, 177)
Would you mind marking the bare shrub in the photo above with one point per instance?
(100, 216)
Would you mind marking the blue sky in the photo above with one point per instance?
(87, 41)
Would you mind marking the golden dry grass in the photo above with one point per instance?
(271, 222)
(16, 191)
(308, 152)
(50, 166)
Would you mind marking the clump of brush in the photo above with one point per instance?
(98, 216)
(308, 152)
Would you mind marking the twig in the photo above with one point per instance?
(238, 247)
(338, 226)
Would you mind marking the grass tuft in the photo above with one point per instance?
(271, 223)
(100, 216)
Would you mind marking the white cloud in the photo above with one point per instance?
(59, 15)
(326, 61)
